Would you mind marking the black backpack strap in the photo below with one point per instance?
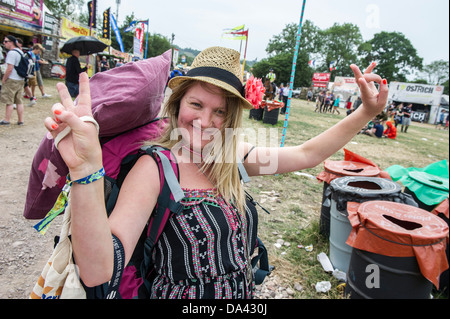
(119, 265)
(264, 268)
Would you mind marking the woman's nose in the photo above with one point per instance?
(206, 119)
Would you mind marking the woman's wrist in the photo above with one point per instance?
(88, 178)
(84, 171)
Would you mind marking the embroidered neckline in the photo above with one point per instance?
(196, 196)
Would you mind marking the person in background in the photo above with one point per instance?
(391, 131)
(39, 63)
(398, 114)
(441, 121)
(280, 96)
(336, 105)
(374, 128)
(73, 71)
(33, 82)
(406, 121)
(104, 64)
(12, 83)
(309, 95)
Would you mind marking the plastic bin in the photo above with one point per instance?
(337, 169)
(398, 251)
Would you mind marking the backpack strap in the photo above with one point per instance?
(169, 202)
(264, 268)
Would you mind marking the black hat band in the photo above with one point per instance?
(218, 74)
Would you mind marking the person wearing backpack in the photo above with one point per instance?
(203, 251)
(12, 82)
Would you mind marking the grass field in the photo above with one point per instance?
(294, 201)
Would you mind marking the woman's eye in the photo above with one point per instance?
(220, 112)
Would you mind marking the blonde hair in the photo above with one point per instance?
(222, 166)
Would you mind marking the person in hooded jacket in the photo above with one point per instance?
(390, 131)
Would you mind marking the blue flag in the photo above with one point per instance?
(116, 31)
(131, 26)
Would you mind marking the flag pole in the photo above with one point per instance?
(245, 54)
(291, 83)
(91, 20)
(146, 42)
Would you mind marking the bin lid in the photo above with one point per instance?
(430, 180)
(351, 168)
(399, 230)
(429, 189)
(364, 186)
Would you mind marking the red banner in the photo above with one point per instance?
(321, 79)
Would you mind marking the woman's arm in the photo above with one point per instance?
(91, 229)
(277, 160)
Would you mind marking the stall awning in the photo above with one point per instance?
(25, 31)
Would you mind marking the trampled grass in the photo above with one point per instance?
(294, 201)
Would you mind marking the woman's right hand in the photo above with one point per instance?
(80, 149)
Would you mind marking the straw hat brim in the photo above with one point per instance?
(176, 81)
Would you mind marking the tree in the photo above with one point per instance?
(286, 41)
(63, 7)
(437, 72)
(395, 55)
(157, 44)
(340, 44)
(281, 50)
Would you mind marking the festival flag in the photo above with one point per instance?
(131, 26)
(92, 9)
(134, 24)
(333, 66)
(238, 28)
(236, 35)
(106, 24)
(117, 32)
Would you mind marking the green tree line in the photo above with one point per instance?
(395, 55)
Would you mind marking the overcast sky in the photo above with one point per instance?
(199, 24)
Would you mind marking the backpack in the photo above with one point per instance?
(25, 68)
(127, 281)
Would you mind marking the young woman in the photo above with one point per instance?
(204, 252)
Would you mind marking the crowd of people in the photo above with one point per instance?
(327, 101)
(14, 87)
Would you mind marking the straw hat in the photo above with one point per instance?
(220, 67)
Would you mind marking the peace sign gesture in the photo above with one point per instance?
(374, 100)
(78, 143)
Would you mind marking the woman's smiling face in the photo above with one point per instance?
(202, 112)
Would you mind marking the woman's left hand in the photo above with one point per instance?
(374, 100)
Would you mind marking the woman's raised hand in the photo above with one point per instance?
(374, 100)
(80, 148)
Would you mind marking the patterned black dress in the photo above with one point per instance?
(203, 252)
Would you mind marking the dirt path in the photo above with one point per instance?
(23, 251)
